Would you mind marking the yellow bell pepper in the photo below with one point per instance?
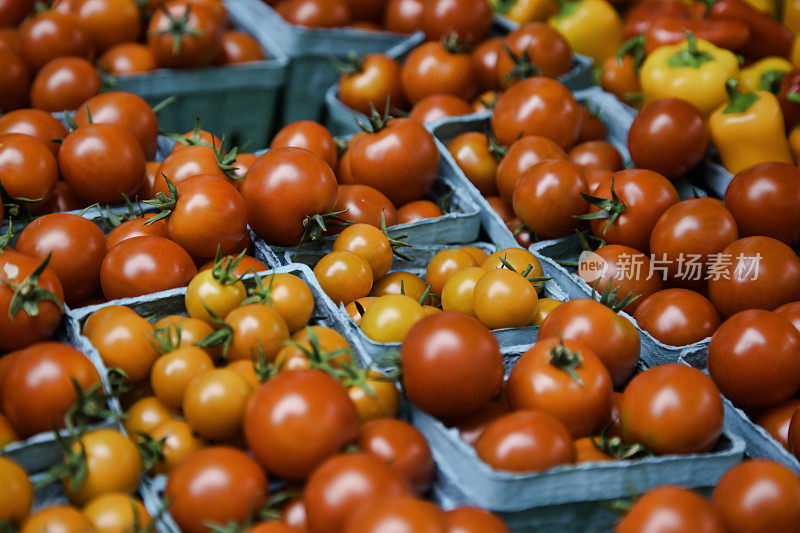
(765, 74)
(765, 6)
(794, 142)
(749, 129)
(694, 70)
(523, 11)
(592, 27)
(791, 15)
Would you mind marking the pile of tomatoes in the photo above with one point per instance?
(54, 58)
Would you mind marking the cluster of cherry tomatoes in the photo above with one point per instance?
(48, 57)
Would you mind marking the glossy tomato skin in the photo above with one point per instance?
(438, 106)
(184, 163)
(16, 496)
(36, 123)
(433, 69)
(238, 47)
(15, 80)
(64, 83)
(316, 13)
(77, 245)
(583, 405)
(753, 359)
(683, 509)
(525, 441)
(547, 198)
(790, 312)
(596, 155)
(210, 213)
(761, 272)
(50, 34)
(282, 188)
(97, 16)
(343, 485)
(794, 434)
(777, 420)
(485, 57)
(417, 210)
(677, 317)
(38, 389)
(364, 204)
(322, 420)
(672, 409)
(383, 515)
(646, 195)
(60, 518)
(12, 12)
(22, 329)
(402, 447)
(100, 162)
(216, 484)
(537, 106)
(196, 49)
(765, 200)
(669, 136)
(436, 375)
(759, 495)
(470, 19)
(143, 265)
(381, 160)
(542, 45)
(373, 86)
(691, 228)
(128, 59)
(612, 338)
(474, 520)
(124, 109)
(136, 228)
(522, 155)
(403, 16)
(625, 269)
(311, 136)
(27, 168)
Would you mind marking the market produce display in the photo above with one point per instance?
(400, 266)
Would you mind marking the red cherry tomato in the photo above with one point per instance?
(311, 136)
(470, 19)
(402, 447)
(677, 317)
(64, 83)
(124, 109)
(683, 509)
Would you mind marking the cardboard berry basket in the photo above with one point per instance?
(240, 101)
(38, 453)
(758, 443)
(310, 51)
(342, 120)
(371, 352)
(540, 501)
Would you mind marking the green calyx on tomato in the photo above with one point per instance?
(111, 220)
(194, 139)
(315, 226)
(503, 6)
(163, 202)
(610, 209)
(151, 450)
(395, 241)
(738, 102)
(260, 294)
(523, 66)
(73, 466)
(28, 293)
(567, 360)
(536, 280)
(179, 27)
(166, 339)
(610, 297)
(454, 44)
(224, 268)
(353, 64)
(496, 149)
(616, 448)
(691, 56)
(633, 47)
(91, 405)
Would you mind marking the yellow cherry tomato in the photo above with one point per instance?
(113, 464)
(370, 243)
(519, 258)
(479, 255)
(187, 331)
(205, 291)
(173, 371)
(16, 492)
(145, 415)
(103, 314)
(117, 513)
(245, 368)
(458, 292)
(544, 306)
(400, 282)
(58, 518)
(179, 443)
(214, 403)
(446, 263)
(290, 297)
(382, 400)
(428, 310)
(7, 433)
(344, 276)
(255, 328)
(352, 309)
(390, 317)
(504, 299)
(292, 357)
